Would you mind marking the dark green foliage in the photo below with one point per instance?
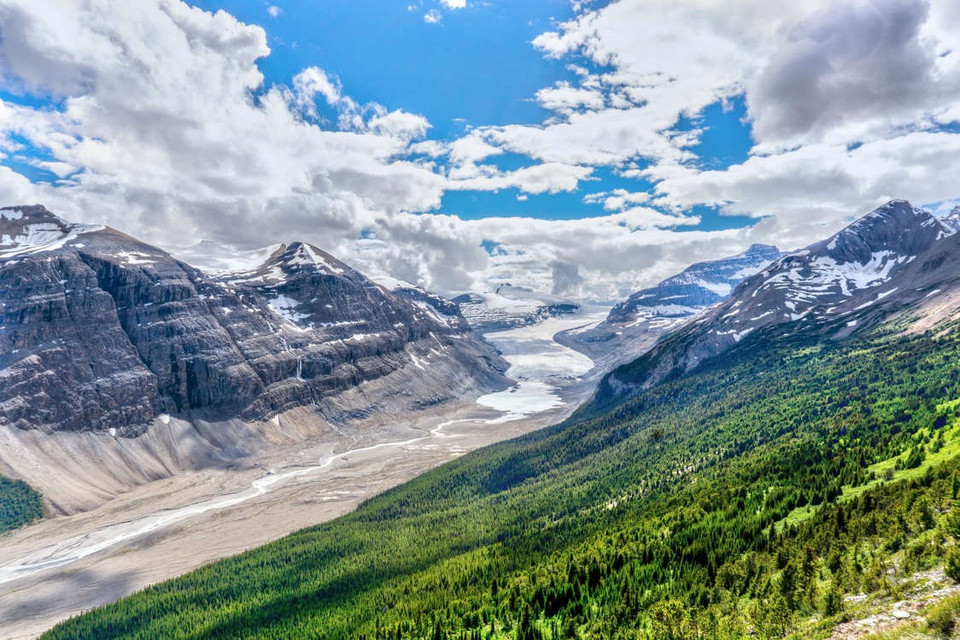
(952, 564)
(663, 517)
(19, 504)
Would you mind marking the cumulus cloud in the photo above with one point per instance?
(162, 124)
(852, 70)
(542, 178)
(618, 199)
(817, 187)
(313, 82)
(565, 98)
(164, 109)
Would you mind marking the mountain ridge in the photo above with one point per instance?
(877, 266)
(633, 326)
(125, 332)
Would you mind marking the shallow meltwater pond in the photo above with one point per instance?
(538, 364)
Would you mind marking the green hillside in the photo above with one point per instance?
(748, 497)
(19, 504)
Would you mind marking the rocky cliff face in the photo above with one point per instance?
(99, 331)
(888, 263)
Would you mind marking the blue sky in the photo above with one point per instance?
(475, 67)
(614, 140)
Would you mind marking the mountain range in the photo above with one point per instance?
(102, 333)
(508, 307)
(896, 260)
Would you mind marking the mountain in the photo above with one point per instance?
(509, 307)
(808, 478)
(102, 333)
(215, 258)
(634, 325)
(895, 258)
(953, 218)
(696, 287)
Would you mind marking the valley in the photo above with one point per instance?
(479, 320)
(779, 464)
(61, 566)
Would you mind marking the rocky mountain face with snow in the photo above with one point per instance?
(952, 219)
(635, 324)
(509, 307)
(896, 262)
(695, 288)
(99, 331)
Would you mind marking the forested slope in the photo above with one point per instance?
(19, 504)
(749, 496)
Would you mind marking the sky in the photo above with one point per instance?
(581, 149)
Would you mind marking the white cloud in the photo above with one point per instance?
(399, 124)
(454, 4)
(314, 81)
(549, 177)
(853, 70)
(157, 112)
(812, 190)
(565, 98)
(274, 11)
(165, 128)
(471, 148)
(614, 255)
(618, 199)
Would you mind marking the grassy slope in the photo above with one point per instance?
(662, 517)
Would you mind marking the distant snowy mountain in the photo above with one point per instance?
(214, 258)
(895, 261)
(509, 307)
(26, 231)
(696, 287)
(634, 325)
(953, 218)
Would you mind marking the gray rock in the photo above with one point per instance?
(101, 331)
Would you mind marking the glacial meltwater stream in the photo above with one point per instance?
(540, 366)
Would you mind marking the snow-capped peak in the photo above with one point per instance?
(32, 229)
(896, 226)
(695, 288)
(888, 261)
(289, 261)
(304, 255)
